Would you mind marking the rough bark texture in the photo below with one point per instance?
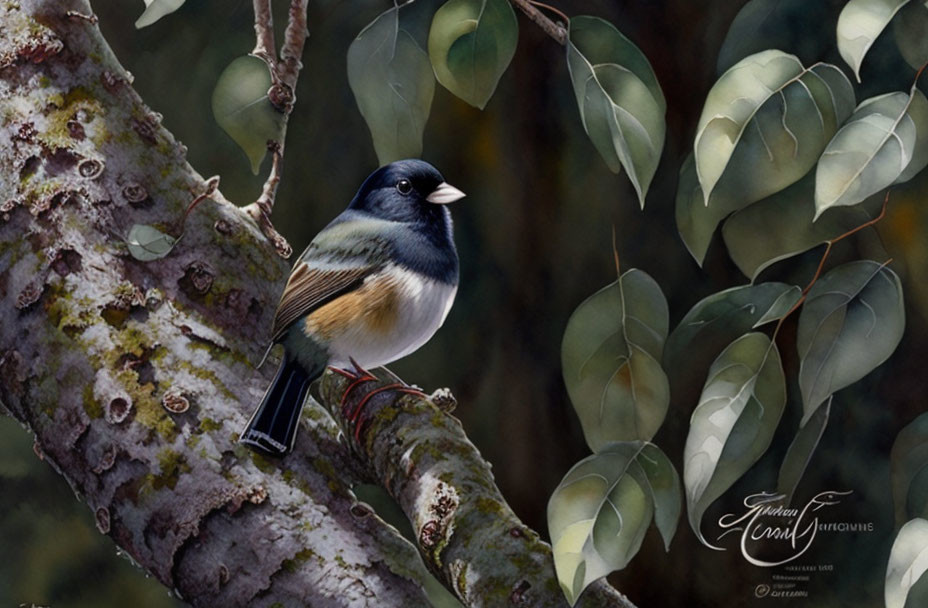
(136, 377)
(95, 347)
(465, 531)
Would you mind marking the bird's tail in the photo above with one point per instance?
(272, 427)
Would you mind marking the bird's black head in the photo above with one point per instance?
(406, 191)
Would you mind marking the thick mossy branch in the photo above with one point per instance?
(465, 531)
(136, 377)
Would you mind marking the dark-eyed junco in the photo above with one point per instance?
(373, 286)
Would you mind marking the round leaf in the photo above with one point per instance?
(471, 43)
(156, 9)
(910, 32)
(732, 426)
(908, 561)
(766, 121)
(392, 81)
(599, 513)
(243, 110)
(851, 322)
(909, 462)
(860, 24)
(873, 149)
(146, 243)
(621, 103)
(781, 226)
(610, 356)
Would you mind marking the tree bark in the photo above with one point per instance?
(136, 377)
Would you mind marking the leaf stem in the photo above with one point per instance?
(555, 30)
(821, 264)
(615, 255)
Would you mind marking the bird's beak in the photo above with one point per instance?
(445, 193)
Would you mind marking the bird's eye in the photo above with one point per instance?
(404, 186)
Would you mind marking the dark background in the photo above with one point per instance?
(534, 236)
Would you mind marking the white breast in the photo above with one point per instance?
(421, 307)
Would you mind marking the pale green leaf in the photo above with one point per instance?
(471, 43)
(732, 426)
(781, 226)
(147, 243)
(851, 322)
(765, 123)
(621, 103)
(610, 357)
(714, 322)
(243, 110)
(599, 513)
(860, 24)
(872, 150)
(156, 9)
(911, 32)
(908, 561)
(392, 81)
(909, 466)
(800, 452)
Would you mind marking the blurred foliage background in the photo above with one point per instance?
(534, 236)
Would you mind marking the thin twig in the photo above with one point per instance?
(260, 210)
(555, 30)
(615, 255)
(294, 39)
(264, 33)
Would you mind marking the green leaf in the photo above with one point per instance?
(392, 81)
(243, 110)
(909, 465)
(872, 150)
(156, 9)
(766, 121)
(774, 24)
(800, 452)
(471, 43)
(610, 357)
(716, 320)
(732, 426)
(910, 33)
(621, 104)
(851, 322)
(599, 513)
(781, 226)
(860, 24)
(908, 561)
(696, 220)
(147, 243)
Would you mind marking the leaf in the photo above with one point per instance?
(599, 513)
(717, 320)
(732, 426)
(392, 81)
(610, 356)
(910, 33)
(243, 110)
(908, 465)
(697, 221)
(774, 24)
(800, 452)
(908, 561)
(851, 322)
(156, 9)
(872, 149)
(147, 243)
(781, 226)
(621, 103)
(860, 24)
(766, 121)
(471, 43)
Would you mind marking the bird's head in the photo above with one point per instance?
(405, 191)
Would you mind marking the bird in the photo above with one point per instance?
(372, 287)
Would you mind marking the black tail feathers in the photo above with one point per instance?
(272, 427)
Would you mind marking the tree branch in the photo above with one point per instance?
(551, 28)
(465, 531)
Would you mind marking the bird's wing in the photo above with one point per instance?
(336, 262)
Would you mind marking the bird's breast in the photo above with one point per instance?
(390, 315)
